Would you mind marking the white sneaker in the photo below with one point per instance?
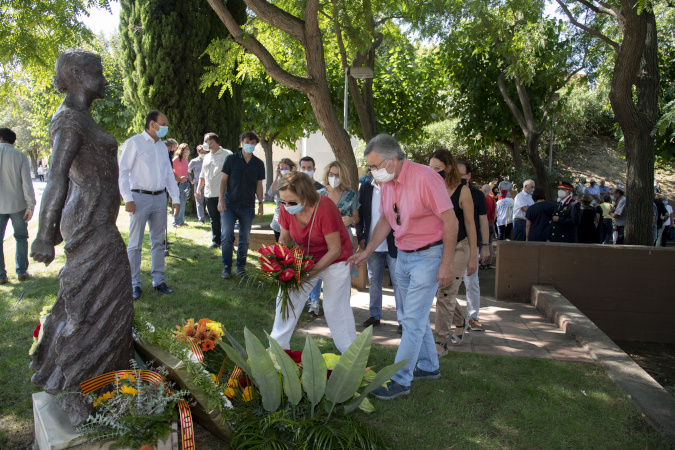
(314, 307)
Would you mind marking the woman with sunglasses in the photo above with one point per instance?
(314, 222)
(465, 256)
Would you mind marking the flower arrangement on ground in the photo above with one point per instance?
(296, 404)
(132, 410)
(286, 268)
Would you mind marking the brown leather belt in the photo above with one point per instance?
(426, 247)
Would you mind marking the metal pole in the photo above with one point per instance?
(345, 99)
(550, 150)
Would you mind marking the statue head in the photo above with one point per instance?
(80, 72)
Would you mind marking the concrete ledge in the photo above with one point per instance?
(652, 400)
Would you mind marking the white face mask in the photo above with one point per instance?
(201, 156)
(562, 194)
(334, 182)
(283, 172)
(205, 146)
(309, 173)
(382, 175)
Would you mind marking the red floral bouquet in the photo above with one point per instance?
(287, 268)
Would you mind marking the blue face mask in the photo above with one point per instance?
(163, 130)
(248, 148)
(293, 210)
(593, 203)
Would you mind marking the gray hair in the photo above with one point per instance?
(386, 146)
(527, 182)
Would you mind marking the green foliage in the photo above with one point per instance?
(288, 368)
(263, 372)
(162, 43)
(134, 413)
(314, 373)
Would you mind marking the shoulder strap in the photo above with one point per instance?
(309, 237)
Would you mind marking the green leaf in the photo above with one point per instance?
(314, 372)
(236, 357)
(291, 382)
(348, 373)
(265, 376)
(237, 346)
(382, 376)
(366, 406)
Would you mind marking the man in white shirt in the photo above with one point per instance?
(209, 180)
(145, 177)
(522, 203)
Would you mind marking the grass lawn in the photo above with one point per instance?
(480, 402)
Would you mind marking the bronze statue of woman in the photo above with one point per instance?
(89, 329)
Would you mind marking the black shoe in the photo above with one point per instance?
(226, 273)
(137, 292)
(243, 275)
(400, 330)
(371, 321)
(201, 222)
(214, 245)
(4, 281)
(163, 288)
(23, 276)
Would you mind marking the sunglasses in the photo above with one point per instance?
(288, 203)
(398, 214)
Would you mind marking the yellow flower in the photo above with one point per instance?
(213, 378)
(331, 360)
(248, 394)
(216, 327)
(127, 376)
(128, 390)
(104, 397)
(230, 393)
(233, 383)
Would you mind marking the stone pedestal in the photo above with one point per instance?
(53, 430)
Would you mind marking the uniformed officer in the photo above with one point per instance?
(566, 216)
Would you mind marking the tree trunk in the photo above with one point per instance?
(514, 148)
(540, 172)
(636, 65)
(266, 143)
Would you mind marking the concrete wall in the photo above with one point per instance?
(626, 291)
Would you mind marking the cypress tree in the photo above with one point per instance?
(162, 46)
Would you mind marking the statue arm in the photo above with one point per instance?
(66, 146)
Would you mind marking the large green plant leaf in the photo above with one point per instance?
(236, 345)
(291, 382)
(265, 376)
(234, 356)
(348, 373)
(314, 372)
(382, 376)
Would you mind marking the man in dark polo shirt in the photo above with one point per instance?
(241, 183)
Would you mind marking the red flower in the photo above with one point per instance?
(244, 382)
(328, 374)
(288, 259)
(306, 265)
(266, 250)
(282, 252)
(286, 275)
(36, 332)
(271, 267)
(295, 356)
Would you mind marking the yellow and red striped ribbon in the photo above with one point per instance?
(297, 252)
(107, 378)
(194, 346)
(186, 430)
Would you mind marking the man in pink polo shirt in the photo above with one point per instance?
(415, 204)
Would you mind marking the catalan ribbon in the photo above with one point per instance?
(194, 346)
(297, 252)
(187, 430)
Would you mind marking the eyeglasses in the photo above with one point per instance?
(375, 166)
(398, 215)
(288, 203)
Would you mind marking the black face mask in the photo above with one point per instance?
(441, 173)
(464, 182)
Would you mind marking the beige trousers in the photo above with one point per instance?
(447, 308)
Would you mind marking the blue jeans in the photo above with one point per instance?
(200, 204)
(519, 227)
(416, 276)
(228, 218)
(375, 276)
(315, 295)
(21, 238)
(184, 191)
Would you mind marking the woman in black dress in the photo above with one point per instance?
(587, 231)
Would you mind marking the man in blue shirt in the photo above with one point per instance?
(241, 183)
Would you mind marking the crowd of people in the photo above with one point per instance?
(590, 213)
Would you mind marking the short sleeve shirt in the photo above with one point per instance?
(242, 180)
(540, 215)
(349, 201)
(326, 221)
(479, 209)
